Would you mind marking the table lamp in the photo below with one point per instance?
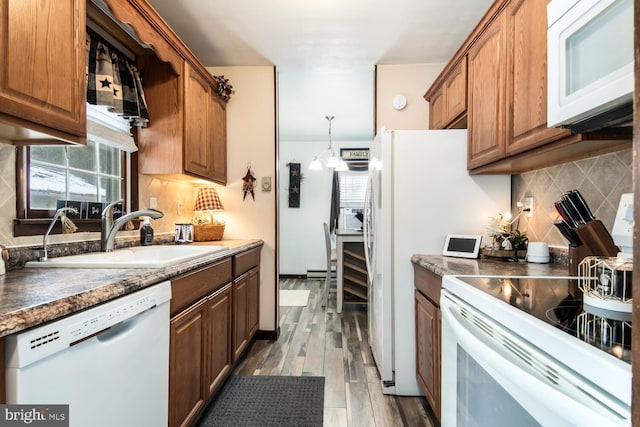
(205, 226)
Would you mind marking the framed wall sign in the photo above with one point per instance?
(354, 154)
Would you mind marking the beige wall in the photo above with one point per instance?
(410, 80)
(251, 140)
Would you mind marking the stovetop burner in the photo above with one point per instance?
(558, 302)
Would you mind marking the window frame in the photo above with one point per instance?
(31, 222)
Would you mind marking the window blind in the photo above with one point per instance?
(353, 185)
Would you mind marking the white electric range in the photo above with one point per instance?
(526, 351)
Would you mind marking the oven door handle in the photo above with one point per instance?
(504, 359)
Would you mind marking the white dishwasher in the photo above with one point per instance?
(110, 363)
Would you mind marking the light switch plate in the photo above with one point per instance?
(266, 183)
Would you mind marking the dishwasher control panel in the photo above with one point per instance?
(36, 344)
(104, 320)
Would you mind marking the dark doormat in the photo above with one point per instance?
(263, 401)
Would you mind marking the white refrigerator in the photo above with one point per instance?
(419, 191)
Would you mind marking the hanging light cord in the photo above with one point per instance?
(329, 118)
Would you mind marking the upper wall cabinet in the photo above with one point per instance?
(217, 133)
(506, 93)
(527, 77)
(205, 153)
(42, 76)
(487, 96)
(187, 133)
(448, 104)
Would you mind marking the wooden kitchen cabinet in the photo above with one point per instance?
(200, 355)
(200, 339)
(217, 131)
(246, 294)
(436, 109)
(253, 301)
(428, 349)
(506, 110)
(246, 299)
(42, 78)
(197, 151)
(218, 345)
(448, 104)
(428, 337)
(527, 77)
(187, 365)
(214, 315)
(205, 146)
(486, 95)
(188, 133)
(455, 88)
(240, 296)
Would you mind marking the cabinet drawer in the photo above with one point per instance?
(192, 286)
(245, 261)
(428, 283)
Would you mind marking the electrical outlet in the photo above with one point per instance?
(527, 203)
(153, 203)
(179, 207)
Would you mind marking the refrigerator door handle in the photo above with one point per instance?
(365, 229)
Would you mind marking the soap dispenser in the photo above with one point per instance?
(146, 232)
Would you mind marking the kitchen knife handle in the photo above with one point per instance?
(568, 233)
(563, 214)
(583, 204)
(573, 210)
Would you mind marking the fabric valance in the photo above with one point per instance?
(114, 81)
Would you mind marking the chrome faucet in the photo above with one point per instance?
(106, 223)
(110, 227)
(59, 212)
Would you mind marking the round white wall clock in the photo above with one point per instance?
(399, 102)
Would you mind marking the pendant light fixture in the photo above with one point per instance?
(334, 161)
(315, 164)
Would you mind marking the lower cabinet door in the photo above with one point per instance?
(253, 301)
(219, 322)
(240, 335)
(428, 350)
(187, 368)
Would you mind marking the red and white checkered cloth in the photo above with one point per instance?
(208, 200)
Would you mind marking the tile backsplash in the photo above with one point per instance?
(601, 180)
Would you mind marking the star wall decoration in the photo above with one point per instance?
(249, 184)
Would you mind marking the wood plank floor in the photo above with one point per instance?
(320, 342)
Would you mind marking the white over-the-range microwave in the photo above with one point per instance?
(589, 63)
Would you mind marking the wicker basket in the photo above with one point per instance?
(207, 232)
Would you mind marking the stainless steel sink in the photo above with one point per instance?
(135, 257)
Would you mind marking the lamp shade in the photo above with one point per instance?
(208, 200)
(315, 164)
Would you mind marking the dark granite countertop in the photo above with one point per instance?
(32, 296)
(485, 266)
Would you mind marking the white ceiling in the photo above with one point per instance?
(340, 38)
(321, 33)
